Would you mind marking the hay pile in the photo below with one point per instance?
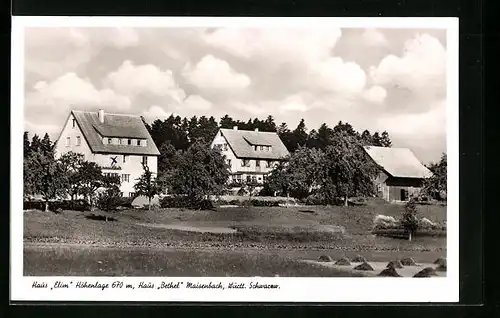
(408, 262)
(389, 272)
(359, 259)
(440, 261)
(395, 264)
(426, 272)
(344, 261)
(364, 267)
(442, 264)
(325, 258)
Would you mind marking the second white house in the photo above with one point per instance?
(251, 155)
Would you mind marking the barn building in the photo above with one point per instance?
(401, 173)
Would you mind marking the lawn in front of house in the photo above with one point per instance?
(339, 226)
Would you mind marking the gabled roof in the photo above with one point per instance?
(242, 143)
(398, 162)
(118, 126)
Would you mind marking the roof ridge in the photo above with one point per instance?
(114, 114)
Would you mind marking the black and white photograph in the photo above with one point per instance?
(252, 159)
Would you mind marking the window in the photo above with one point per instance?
(255, 148)
(261, 148)
(125, 178)
(249, 178)
(269, 163)
(74, 123)
(121, 194)
(138, 142)
(265, 178)
(119, 141)
(110, 141)
(257, 163)
(245, 163)
(131, 194)
(124, 158)
(130, 142)
(229, 162)
(218, 147)
(68, 141)
(78, 141)
(254, 179)
(145, 160)
(225, 147)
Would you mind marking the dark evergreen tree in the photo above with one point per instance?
(27, 145)
(385, 141)
(36, 143)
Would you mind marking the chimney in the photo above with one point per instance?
(256, 129)
(100, 114)
(235, 127)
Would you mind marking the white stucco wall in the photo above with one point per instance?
(132, 166)
(236, 163)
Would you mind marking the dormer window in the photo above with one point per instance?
(138, 142)
(129, 142)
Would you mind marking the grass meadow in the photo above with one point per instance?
(232, 241)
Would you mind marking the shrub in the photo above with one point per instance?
(410, 221)
(184, 202)
(125, 202)
(256, 202)
(75, 205)
(109, 199)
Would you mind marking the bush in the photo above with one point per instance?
(410, 220)
(319, 199)
(183, 202)
(76, 205)
(256, 202)
(125, 202)
(109, 199)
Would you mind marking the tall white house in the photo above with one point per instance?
(251, 155)
(119, 144)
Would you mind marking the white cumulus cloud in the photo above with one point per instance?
(375, 94)
(213, 73)
(421, 68)
(196, 102)
(333, 74)
(132, 80)
(276, 45)
(373, 37)
(70, 90)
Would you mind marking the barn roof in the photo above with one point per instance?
(398, 162)
(117, 126)
(242, 143)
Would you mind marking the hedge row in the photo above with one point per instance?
(75, 205)
(182, 202)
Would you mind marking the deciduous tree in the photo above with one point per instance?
(200, 171)
(147, 185)
(346, 170)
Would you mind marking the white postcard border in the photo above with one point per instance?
(444, 289)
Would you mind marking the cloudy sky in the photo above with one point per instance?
(376, 79)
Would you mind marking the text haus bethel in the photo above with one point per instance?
(119, 144)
